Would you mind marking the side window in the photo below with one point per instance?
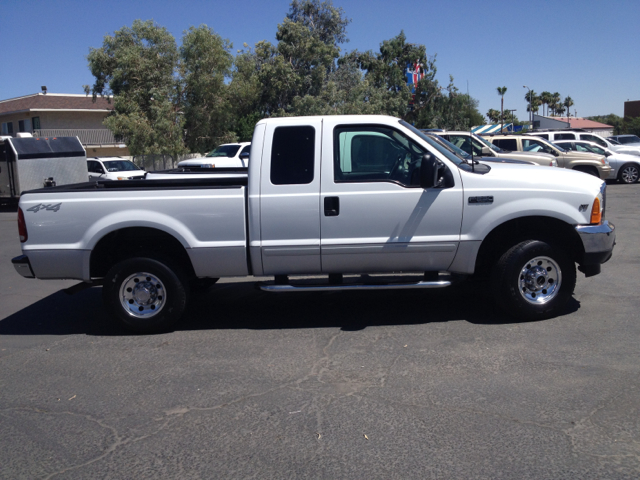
(534, 146)
(543, 135)
(463, 142)
(374, 154)
(580, 148)
(292, 155)
(565, 136)
(507, 143)
(593, 138)
(246, 149)
(93, 166)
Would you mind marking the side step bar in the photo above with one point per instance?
(363, 287)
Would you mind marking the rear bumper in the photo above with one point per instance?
(598, 242)
(22, 266)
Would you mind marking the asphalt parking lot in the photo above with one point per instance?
(401, 384)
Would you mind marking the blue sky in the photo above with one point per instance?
(587, 49)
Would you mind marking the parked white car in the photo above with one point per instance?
(556, 135)
(624, 167)
(113, 168)
(229, 155)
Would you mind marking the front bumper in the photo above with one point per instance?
(598, 242)
(22, 266)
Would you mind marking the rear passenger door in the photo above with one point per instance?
(289, 197)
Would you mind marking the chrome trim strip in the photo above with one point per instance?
(320, 288)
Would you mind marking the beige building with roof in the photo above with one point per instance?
(62, 115)
(558, 123)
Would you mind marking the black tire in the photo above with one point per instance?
(145, 295)
(629, 173)
(533, 280)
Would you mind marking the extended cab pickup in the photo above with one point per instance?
(324, 196)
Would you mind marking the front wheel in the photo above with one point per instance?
(629, 173)
(533, 280)
(146, 295)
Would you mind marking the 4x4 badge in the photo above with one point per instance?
(52, 207)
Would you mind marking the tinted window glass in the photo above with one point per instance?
(593, 138)
(224, 151)
(371, 154)
(507, 143)
(292, 155)
(543, 135)
(565, 136)
(246, 149)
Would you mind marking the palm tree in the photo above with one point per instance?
(501, 92)
(493, 115)
(545, 98)
(555, 99)
(568, 102)
(534, 101)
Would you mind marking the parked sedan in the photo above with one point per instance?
(624, 167)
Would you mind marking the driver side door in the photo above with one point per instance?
(375, 217)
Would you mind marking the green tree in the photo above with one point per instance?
(137, 65)
(555, 103)
(612, 119)
(501, 92)
(493, 115)
(533, 101)
(205, 64)
(546, 98)
(568, 103)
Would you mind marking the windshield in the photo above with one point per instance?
(487, 143)
(224, 151)
(614, 142)
(119, 165)
(559, 147)
(433, 143)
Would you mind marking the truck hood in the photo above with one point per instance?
(536, 176)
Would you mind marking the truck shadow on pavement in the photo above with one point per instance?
(241, 306)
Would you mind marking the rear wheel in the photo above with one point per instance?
(629, 173)
(533, 280)
(145, 295)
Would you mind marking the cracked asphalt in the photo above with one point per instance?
(399, 384)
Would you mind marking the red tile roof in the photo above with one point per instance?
(577, 122)
(53, 101)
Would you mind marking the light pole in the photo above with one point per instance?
(512, 117)
(530, 112)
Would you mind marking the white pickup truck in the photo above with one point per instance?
(332, 197)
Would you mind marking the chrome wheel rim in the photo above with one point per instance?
(630, 175)
(142, 295)
(540, 280)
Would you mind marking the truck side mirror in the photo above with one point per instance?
(486, 151)
(428, 171)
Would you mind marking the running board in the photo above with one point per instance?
(321, 288)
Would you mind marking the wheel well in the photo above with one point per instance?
(550, 230)
(137, 241)
(587, 169)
